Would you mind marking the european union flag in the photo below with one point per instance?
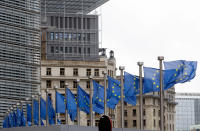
(113, 92)
(152, 79)
(98, 98)
(23, 119)
(83, 100)
(185, 70)
(60, 103)
(42, 108)
(18, 117)
(28, 111)
(35, 112)
(10, 120)
(71, 105)
(14, 119)
(51, 112)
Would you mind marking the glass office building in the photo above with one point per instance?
(187, 110)
(19, 52)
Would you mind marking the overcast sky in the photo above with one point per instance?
(141, 30)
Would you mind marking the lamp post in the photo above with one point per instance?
(91, 95)
(78, 110)
(121, 68)
(47, 120)
(105, 97)
(140, 64)
(55, 88)
(66, 99)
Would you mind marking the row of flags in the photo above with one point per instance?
(175, 72)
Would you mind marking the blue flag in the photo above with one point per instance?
(113, 92)
(35, 112)
(42, 108)
(152, 79)
(98, 98)
(71, 105)
(23, 119)
(4, 123)
(131, 88)
(29, 115)
(60, 103)
(10, 120)
(83, 100)
(51, 112)
(14, 119)
(185, 70)
(18, 117)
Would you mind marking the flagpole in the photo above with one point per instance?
(140, 64)
(105, 98)
(32, 120)
(161, 58)
(55, 88)
(91, 95)
(78, 110)
(39, 99)
(27, 99)
(121, 68)
(47, 120)
(66, 110)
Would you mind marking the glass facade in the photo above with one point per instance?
(187, 111)
(19, 52)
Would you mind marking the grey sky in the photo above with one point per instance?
(141, 30)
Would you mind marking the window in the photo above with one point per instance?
(52, 21)
(66, 50)
(158, 112)
(154, 101)
(61, 22)
(61, 49)
(52, 49)
(75, 49)
(96, 72)
(74, 84)
(74, 37)
(75, 23)
(48, 71)
(65, 36)
(57, 49)
(154, 123)
(62, 71)
(88, 72)
(62, 84)
(79, 23)
(84, 21)
(56, 22)
(88, 37)
(88, 122)
(56, 36)
(125, 103)
(70, 36)
(70, 22)
(134, 123)
(61, 35)
(125, 123)
(70, 49)
(134, 112)
(88, 51)
(75, 71)
(87, 84)
(154, 112)
(79, 50)
(79, 37)
(51, 36)
(125, 113)
(48, 83)
(65, 22)
(144, 101)
(144, 122)
(88, 23)
(144, 112)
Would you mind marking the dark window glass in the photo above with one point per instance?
(49, 94)
(84, 23)
(52, 21)
(134, 112)
(154, 112)
(134, 123)
(65, 22)
(62, 71)
(61, 22)
(144, 101)
(48, 71)
(154, 123)
(88, 72)
(74, 84)
(79, 50)
(74, 37)
(125, 123)
(65, 36)
(75, 23)
(79, 23)
(125, 113)
(70, 49)
(88, 23)
(79, 37)
(144, 112)
(48, 83)
(66, 50)
(75, 50)
(61, 49)
(52, 49)
(88, 51)
(88, 37)
(56, 22)
(144, 122)
(70, 22)
(75, 71)
(96, 72)
(57, 49)
(87, 84)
